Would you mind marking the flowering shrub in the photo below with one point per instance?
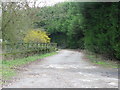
(37, 36)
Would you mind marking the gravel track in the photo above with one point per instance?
(67, 69)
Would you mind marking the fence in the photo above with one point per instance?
(18, 50)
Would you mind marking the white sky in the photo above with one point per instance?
(42, 3)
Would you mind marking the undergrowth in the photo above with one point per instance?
(97, 59)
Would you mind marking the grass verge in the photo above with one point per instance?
(8, 65)
(97, 59)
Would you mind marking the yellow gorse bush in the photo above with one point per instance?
(37, 36)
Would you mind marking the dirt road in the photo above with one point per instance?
(67, 69)
(0, 65)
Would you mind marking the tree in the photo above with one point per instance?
(17, 19)
(92, 25)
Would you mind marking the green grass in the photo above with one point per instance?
(102, 62)
(8, 65)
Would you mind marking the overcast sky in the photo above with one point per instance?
(42, 3)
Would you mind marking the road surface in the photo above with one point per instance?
(67, 69)
(0, 65)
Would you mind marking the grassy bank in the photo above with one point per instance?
(8, 66)
(98, 59)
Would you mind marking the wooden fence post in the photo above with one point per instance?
(14, 50)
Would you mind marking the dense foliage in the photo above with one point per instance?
(63, 23)
(101, 30)
(93, 26)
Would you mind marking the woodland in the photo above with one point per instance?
(92, 26)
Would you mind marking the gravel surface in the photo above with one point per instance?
(0, 65)
(67, 69)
